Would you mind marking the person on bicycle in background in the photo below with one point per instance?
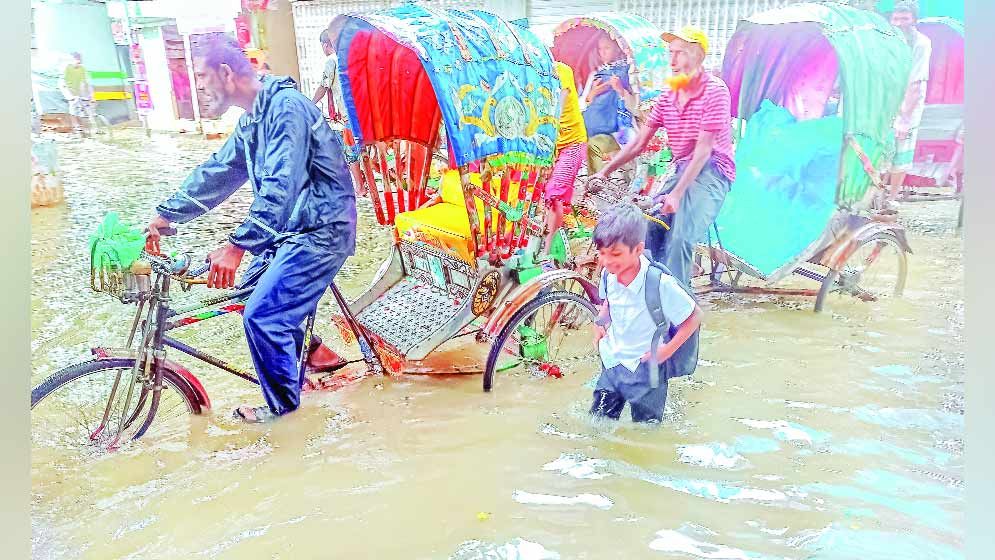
(696, 113)
(301, 225)
(76, 88)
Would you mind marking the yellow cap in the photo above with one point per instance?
(691, 34)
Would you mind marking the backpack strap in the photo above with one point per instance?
(604, 286)
(652, 291)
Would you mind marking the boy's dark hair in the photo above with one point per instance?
(224, 50)
(623, 223)
(324, 38)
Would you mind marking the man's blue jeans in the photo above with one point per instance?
(699, 207)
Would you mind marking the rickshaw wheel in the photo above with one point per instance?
(537, 335)
(877, 269)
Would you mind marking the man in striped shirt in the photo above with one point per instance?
(696, 116)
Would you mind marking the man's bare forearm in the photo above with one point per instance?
(911, 98)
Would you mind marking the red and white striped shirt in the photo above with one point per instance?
(710, 111)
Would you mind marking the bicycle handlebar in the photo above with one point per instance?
(178, 268)
(199, 271)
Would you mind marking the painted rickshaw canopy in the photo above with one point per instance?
(575, 43)
(492, 83)
(771, 50)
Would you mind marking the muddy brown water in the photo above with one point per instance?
(826, 436)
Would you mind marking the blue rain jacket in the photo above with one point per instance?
(294, 162)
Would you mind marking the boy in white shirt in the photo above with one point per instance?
(625, 326)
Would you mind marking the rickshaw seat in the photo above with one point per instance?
(447, 221)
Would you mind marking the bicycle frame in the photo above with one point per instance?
(211, 308)
(159, 319)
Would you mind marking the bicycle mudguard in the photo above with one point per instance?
(183, 373)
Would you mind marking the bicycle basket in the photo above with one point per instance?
(109, 277)
(113, 249)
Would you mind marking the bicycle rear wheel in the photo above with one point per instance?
(67, 409)
(876, 271)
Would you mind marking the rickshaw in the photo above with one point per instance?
(575, 43)
(815, 88)
(461, 263)
(940, 142)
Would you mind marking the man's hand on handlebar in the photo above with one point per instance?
(153, 234)
(224, 263)
(670, 203)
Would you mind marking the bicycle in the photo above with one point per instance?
(124, 384)
(91, 122)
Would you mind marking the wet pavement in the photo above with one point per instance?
(827, 436)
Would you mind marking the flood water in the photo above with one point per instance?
(801, 436)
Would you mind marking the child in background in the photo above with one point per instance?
(608, 103)
(571, 147)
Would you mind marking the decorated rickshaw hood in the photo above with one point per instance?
(494, 81)
(639, 39)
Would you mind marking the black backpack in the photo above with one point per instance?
(685, 360)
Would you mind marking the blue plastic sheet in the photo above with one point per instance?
(785, 188)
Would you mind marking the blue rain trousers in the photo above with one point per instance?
(287, 291)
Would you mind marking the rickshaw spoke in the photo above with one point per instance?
(543, 340)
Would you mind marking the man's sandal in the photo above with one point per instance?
(260, 415)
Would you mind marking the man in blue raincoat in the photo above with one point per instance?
(301, 225)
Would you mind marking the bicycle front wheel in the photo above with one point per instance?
(68, 409)
(551, 336)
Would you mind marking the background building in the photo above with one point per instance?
(84, 26)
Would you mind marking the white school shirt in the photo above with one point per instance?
(631, 330)
(922, 49)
